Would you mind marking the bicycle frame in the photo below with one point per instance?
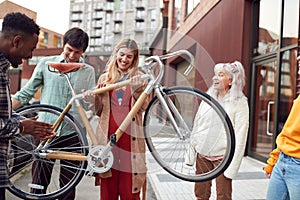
(170, 125)
(153, 84)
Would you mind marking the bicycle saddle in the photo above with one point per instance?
(65, 67)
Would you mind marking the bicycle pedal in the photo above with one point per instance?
(90, 174)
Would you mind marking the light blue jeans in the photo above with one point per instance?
(285, 179)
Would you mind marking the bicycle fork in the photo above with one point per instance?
(173, 114)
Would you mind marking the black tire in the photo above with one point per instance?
(170, 150)
(24, 161)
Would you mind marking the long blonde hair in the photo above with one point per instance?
(112, 69)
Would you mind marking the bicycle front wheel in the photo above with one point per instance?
(196, 127)
(33, 176)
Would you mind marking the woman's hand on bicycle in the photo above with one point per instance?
(89, 96)
(136, 82)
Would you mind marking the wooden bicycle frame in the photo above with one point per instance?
(63, 155)
(154, 80)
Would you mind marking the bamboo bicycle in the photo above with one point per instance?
(168, 123)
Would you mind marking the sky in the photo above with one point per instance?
(51, 14)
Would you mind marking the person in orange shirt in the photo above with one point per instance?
(283, 166)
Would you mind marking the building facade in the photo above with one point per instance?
(47, 39)
(262, 34)
(108, 21)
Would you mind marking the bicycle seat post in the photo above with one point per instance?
(69, 83)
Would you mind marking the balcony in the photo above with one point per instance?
(98, 7)
(140, 5)
(118, 21)
(138, 30)
(109, 7)
(97, 25)
(76, 9)
(117, 31)
(95, 36)
(138, 19)
(76, 20)
(98, 15)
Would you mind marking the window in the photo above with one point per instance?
(139, 25)
(76, 16)
(140, 14)
(122, 4)
(153, 15)
(43, 37)
(177, 7)
(107, 28)
(190, 5)
(269, 26)
(108, 17)
(153, 25)
(149, 37)
(117, 16)
(117, 28)
(290, 22)
(57, 41)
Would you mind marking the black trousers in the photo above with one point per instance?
(2, 193)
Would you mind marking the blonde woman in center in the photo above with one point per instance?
(127, 177)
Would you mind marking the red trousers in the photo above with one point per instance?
(120, 183)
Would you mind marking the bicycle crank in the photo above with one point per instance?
(100, 159)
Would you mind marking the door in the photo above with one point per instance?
(264, 95)
(271, 100)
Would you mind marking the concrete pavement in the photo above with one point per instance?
(251, 183)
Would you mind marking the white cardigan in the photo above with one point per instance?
(215, 145)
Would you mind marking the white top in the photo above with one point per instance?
(208, 135)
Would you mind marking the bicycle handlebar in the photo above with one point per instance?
(180, 52)
(158, 59)
(155, 79)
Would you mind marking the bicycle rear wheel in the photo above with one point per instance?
(173, 150)
(34, 177)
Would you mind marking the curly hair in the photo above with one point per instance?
(18, 23)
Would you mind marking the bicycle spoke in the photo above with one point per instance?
(32, 175)
(170, 150)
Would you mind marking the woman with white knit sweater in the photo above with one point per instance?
(208, 142)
